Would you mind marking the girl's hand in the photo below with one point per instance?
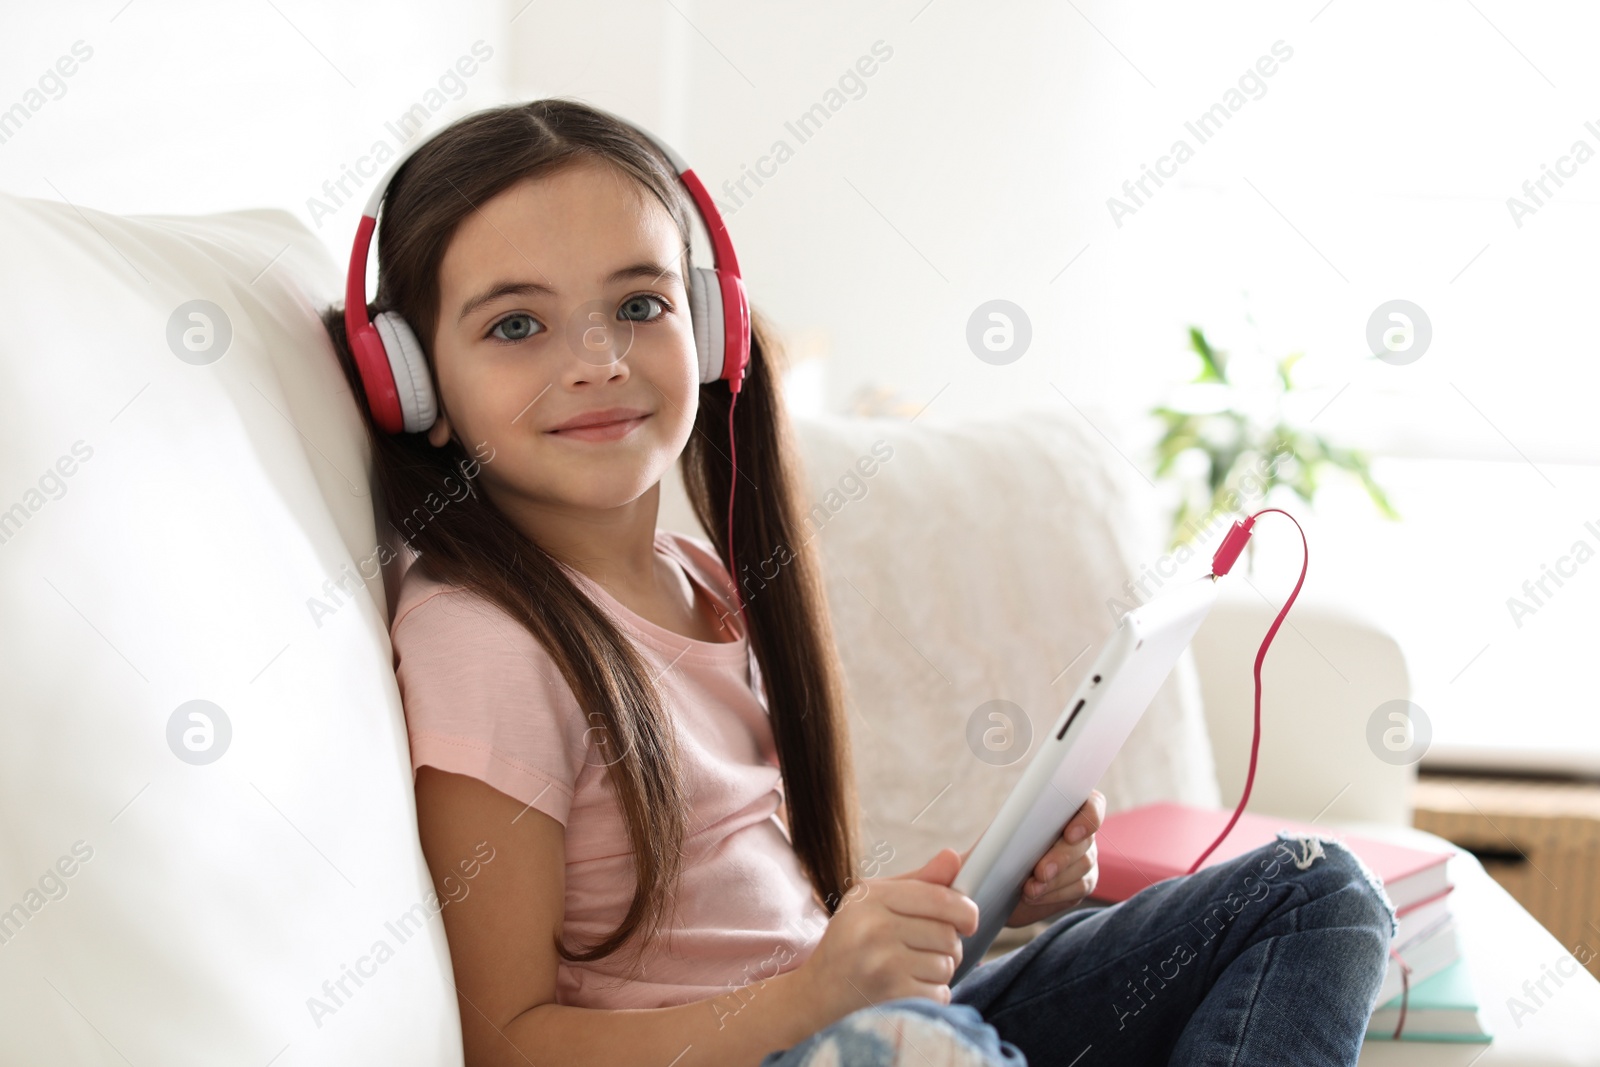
(892, 937)
(1067, 872)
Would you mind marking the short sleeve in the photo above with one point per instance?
(484, 698)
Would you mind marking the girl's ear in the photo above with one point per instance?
(439, 433)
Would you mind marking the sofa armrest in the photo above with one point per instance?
(1326, 674)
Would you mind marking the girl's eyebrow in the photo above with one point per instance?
(508, 288)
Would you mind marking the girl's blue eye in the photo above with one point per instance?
(639, 306)
(516, 327)
(519, 326)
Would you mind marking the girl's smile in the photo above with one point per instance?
(612, 424)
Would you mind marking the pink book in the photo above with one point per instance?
(1144, 845)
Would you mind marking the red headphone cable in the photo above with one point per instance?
(733, 482)
(1221, 564)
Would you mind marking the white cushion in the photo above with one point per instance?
(194, 509)
(1323, 678)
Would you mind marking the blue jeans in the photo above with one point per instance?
(1275, 956)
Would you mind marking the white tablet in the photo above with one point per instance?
(1074, 755)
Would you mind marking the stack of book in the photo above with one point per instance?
(1427, 992)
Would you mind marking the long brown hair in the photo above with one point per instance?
(473, 545)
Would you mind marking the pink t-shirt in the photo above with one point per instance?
(484, 698)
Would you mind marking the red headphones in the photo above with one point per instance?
(394, 371)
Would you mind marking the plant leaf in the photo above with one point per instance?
(1212, 371)
(1286, 369)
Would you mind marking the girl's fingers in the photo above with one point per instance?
(935, 968)
(928, 936)
(1044, 890)
(1088, 817)
(1063, 863)
(1066, 893)
(1060, 855)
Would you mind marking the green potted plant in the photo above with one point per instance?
(1248, 447)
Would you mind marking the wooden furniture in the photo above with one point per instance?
(1539, 838)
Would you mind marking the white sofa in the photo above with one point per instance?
(239, 880)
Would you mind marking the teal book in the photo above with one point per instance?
(1441, 1008)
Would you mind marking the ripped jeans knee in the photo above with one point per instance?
(1304, 849)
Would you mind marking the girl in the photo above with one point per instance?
(633, 777)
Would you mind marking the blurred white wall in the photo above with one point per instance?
(977, 161)
(186, 107)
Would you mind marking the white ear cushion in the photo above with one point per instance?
(410, 368)
(705, 313)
